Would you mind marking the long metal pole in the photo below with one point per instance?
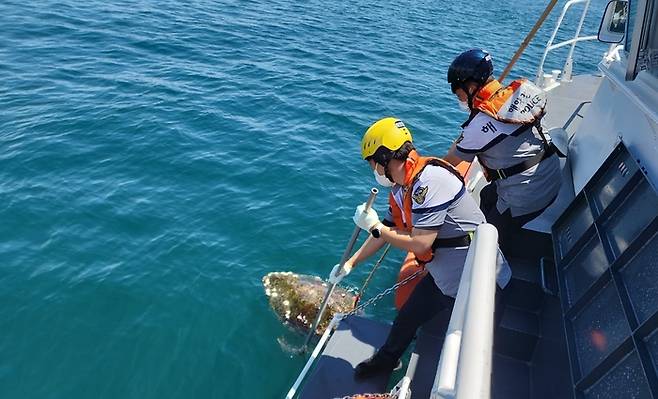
(311, 359)
(527, 40)
(343, 259)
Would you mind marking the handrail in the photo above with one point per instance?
(568, 64)
(314, 355)
(572, 41)
(464, 369)
(402, 389)
(578, 29)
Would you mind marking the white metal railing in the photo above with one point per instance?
(568, 64)
(401, 390)
(316, 351)
(464, 370)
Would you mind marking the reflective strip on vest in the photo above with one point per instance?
(502, 112)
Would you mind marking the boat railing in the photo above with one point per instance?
(314, 355)
(546, 80)
(400, 391)
(464, 369)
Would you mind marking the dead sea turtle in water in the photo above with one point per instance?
(296, 299)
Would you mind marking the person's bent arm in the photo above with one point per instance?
(451, 157)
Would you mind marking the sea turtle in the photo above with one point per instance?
(296, 299)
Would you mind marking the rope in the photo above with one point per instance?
(372, 272)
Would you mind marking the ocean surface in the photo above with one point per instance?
(157, 158)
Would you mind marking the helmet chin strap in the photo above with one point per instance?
(387, 172)
(470, 96)
(409, 165)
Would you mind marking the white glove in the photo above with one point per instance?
(365, 220)
(337, 273)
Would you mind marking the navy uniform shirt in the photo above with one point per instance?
(440, 202)
(500, 145)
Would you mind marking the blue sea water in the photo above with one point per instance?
(157, 158)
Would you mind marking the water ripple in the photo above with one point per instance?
(158, 158)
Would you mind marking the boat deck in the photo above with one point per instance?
(530, 353)
(518, 340)
(568, 102)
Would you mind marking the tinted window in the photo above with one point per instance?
(630, 24)
(652, 46)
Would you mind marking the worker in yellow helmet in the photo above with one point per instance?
(431, 215)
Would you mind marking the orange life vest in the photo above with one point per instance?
(414, 167)
(519, 102)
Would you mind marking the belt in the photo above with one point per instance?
(495, 174)
(461, 241)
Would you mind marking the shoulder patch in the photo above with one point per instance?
(419, 194)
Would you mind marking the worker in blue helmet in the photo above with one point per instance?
(504, 132)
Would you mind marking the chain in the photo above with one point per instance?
(382, 294)
(372, 273)
(363, 306)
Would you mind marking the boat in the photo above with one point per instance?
(584, 322)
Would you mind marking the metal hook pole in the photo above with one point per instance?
(527, 40)
(343, 259)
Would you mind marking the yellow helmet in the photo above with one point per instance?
(390, 133)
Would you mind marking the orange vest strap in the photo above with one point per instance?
(491, 97)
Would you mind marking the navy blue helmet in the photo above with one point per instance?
(473, 65)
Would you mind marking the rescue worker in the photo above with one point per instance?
(430, 214)
(504, 132)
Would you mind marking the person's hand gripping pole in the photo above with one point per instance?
(365, 217)
(338, 272)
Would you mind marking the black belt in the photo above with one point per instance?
(495, 174)
(462, 241)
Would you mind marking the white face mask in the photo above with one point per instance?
(464, 106)
(382, 180)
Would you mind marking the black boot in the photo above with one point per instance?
(379, 363)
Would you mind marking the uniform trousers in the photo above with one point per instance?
(515, 241)
(425, 302)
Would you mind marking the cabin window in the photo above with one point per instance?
(641, 44)
(651, 52)
(625, 380)
(640, 276)
(606, 252)
(630, 24)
